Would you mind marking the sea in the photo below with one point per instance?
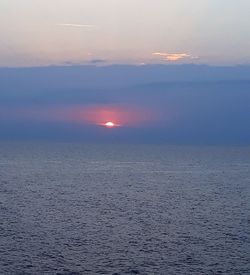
(77, 208)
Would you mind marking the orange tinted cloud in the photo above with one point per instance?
(173, 56)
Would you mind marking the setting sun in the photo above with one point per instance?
(109, 124)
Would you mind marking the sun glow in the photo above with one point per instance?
(109, 124)
(109, 117)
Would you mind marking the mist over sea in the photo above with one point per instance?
(68, 208)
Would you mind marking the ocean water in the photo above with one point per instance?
(124, 209)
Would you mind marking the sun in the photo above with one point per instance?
(109, 124)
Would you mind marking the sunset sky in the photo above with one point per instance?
(65, 32)
(153, 103)
(141, 70)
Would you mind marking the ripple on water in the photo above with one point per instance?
(87, 209)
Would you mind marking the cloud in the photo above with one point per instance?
(173, 56)
(77, 25)
(97, 61)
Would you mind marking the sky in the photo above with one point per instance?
(175, 71)
(66, 32)
(176, 104)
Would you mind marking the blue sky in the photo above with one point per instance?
(187, 104)
(45, 32)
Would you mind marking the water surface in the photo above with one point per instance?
(124, 209)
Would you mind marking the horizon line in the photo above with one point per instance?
(124, 65)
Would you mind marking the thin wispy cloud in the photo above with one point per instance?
(76, 25)
(174, 56)
(97, 61)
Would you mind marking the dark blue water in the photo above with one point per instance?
(124, 209)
